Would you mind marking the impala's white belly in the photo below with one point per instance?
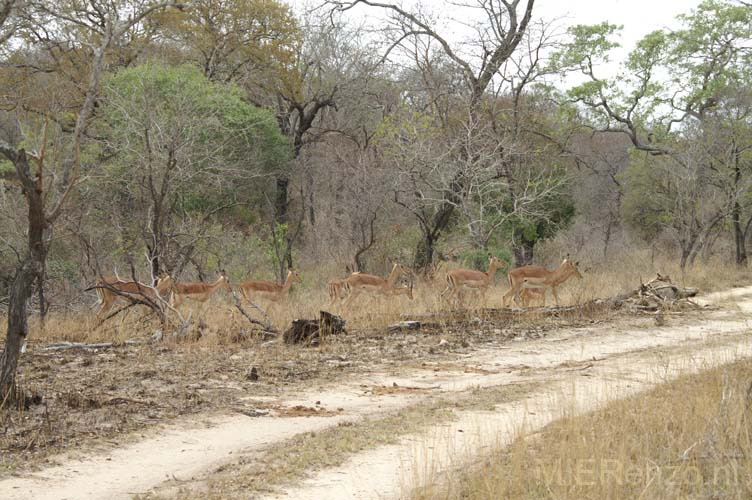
(370, 288)
(473, 284)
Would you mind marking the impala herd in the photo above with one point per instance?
(525, 282)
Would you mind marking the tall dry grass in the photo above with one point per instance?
(690, 438)
(218, 320)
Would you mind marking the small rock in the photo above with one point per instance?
(252, 375)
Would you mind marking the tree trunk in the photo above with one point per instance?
(424, 252)
(440, 221)
(281, 203)
(736, 219)
(739, 239)
(523, 253)
(21, 290)
(685, 251)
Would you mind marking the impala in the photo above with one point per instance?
(360, 282)
(338, 289)
(268, 290)
(457, 279)
(110, 289)
(200, 292)
(540, 278)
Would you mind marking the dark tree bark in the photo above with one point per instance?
(740, 235)
(523, 253)
(27, 273)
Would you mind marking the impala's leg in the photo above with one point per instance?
(106, 306)
(353, 293)
(556, 297)
(510, 293)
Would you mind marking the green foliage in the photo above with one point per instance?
(589, 44)
(552, 214)
(477, 258)
(647, 200)
(193, 107)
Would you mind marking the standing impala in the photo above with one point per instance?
(540, 278)
(359, 283)
(268, 290)
(110, 289)
(457, 279)
(200, 292)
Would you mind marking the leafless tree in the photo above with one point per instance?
(499, 27)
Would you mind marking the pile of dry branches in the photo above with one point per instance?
(661, 293)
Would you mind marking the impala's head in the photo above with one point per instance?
(495, 262)
(224, 280)
(571, 268)
(164, 283)
(400, 269)
(294, 276)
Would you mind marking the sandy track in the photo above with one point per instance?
(625, 361)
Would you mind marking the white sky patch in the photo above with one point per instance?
(638, 18)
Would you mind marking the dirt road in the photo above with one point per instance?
(582, 368)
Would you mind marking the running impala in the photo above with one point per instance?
(457, 279)
(111, 289)
(268, 290)
(200, 292)
(359, 283)
(540, 278)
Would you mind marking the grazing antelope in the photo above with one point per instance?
(359, 283)
(540, 278)
(200, 292)
(268, 290)
(111, 289)
(457, 279)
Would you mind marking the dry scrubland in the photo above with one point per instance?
(93, 398)
(690, 438)
(218, 322)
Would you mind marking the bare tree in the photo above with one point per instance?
(498, 32)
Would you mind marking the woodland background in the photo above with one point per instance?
(243, 135)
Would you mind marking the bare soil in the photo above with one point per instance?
(131, 417)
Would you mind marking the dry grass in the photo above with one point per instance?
(690, 438)
(218, 322)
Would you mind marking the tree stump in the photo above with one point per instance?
(312, 331)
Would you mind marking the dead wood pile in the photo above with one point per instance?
(661, 293)
(312, 331)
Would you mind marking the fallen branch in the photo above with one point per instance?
(64, 346)
(265, 324)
